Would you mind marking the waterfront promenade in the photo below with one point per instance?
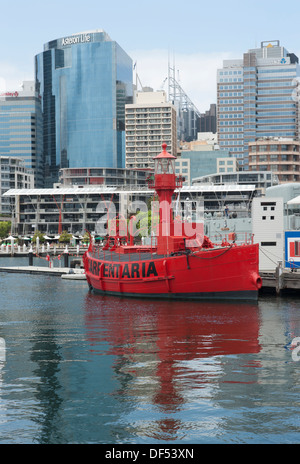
(41, 250)
(60, 261)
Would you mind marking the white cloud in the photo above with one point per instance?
(196, 73)
(11, 77)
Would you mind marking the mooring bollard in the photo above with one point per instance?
(12, 248)
(66, 257)
(30, 256)
(279, 277)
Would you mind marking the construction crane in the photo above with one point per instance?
(187, 113)
(163, 83)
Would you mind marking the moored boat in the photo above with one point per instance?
(180, 263)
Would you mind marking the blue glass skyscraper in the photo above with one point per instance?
(84, 80)
(21, 128)
(256, 98)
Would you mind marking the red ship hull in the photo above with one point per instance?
(229, 273)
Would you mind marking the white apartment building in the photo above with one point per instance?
(149, 122)
(13, 175)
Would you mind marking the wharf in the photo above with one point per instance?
(52, 252)
(280, 280)
(76, 274)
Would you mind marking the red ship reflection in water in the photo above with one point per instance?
(169, 354)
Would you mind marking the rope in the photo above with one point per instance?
(294, 265)
(277, 257)
(212, 257)
(46, 259)
(274, 262)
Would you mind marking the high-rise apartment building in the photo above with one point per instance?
(279, 155)
(84, 80)
(21, 128)
(256, 98)
(150, 122)
(13, 175)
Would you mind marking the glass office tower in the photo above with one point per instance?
(85, 80)
(21, 128)
(256, 98)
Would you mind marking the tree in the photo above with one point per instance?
(146, 223)
(65, 237)
(5, 227)
(86, 237)
(39, 235)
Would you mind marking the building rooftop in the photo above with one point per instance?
(99, 190)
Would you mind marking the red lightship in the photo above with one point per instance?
(179, 265)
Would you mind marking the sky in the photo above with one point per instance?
(195, 36)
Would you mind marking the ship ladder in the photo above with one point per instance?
(167, 277)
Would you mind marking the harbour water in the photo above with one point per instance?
(82, 368)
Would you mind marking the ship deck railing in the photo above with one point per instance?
(116, 255)
(121, 252)
(144, 253)
(239, 238)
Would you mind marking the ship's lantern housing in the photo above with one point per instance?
(164, 166)
(164, 170)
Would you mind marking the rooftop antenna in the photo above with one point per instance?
(137, 78)
(168, 75)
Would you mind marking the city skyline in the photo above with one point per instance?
(196, 38)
